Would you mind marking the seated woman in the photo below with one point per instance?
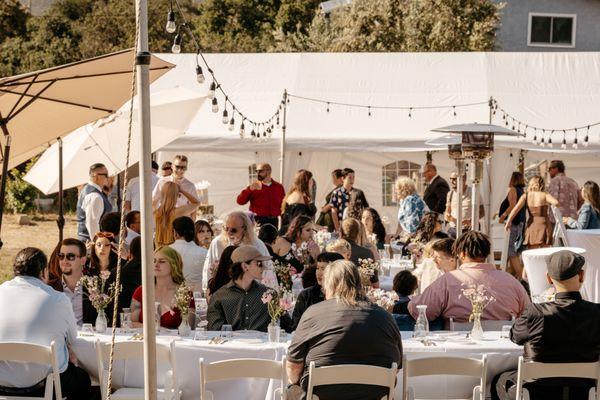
(340, 246)
(404, 284)
(203, 233)
(427, 271)
(222, 275)
(297, 246)
(374, 228)
(168, 275)
(588, 216)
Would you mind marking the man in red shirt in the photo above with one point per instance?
(265, 196)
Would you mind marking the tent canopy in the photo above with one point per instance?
(551, 90)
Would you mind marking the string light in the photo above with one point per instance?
(211, 90)
(369, 111)
(327, 106)
(586, 140)
(410, 112)
(215, 105)
(225, 114)
(242, 130)
(176, 48)
(550, 140)
(454, 110)
(199, 74)
(171, 27)
(232, 121)
(535, 138)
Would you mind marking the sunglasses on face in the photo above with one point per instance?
(259, 264)
(68, 256)
(180, 167)
(232, 230)
(101, 174)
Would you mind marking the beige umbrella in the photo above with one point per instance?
(39, 107)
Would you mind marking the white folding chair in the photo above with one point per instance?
(358, 374)
(37, 354)
(165, 353)
(241, 368)
(486, 324)
(445, 366)
(537, 370)
(560, 231)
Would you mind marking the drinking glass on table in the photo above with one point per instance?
(505, 333)
(227, 331)
(126, 319)
(87, 330)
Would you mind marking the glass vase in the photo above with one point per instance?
(422, 324)
(274, 332)
(101, 322)
(184, 329)
(477, 330)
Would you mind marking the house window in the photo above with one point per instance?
(252, 175)
(551, 30)
(391, 172)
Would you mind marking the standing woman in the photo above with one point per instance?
(373, 226)
(516, 188)
(203, 233)
(588, 216)
(539, 230)
(168, 211)
(298, 201)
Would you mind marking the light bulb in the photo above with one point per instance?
(215, 105)
(242, 131)
(563, 146)
(177, 44)
(575, 144)
(199, 74)
(225, 116)
(550, 142)
(171, 26)
(211, 90)
(586, 141)
(231, 124)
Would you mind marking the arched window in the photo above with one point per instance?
(252, 175)
(391, 172)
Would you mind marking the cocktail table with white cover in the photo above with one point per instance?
(502, 355)
(588, 239)
(535, 265)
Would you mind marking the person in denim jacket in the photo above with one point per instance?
(588, 216)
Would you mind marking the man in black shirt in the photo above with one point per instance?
(344, 329)
(566, 330)
(436, 191)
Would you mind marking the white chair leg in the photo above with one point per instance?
(49, 388)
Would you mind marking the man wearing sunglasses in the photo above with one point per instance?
(92, 203)
(180, 165)
(265, 196)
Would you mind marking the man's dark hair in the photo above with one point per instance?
(77, 243)
(135, 248)
(347, 171)
(267, 233)
(111, 222)
(443, 246)
(95, 167)
(560, 166)
(329, 257)
(184, 227)
(130, 218)
(154, 165)
(337, 173)
(474, 244)
(30, 261)
(405, 283)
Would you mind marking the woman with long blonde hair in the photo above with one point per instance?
(299, 200)
(168, 211)
(539, 230)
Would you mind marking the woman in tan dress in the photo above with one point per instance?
(538, 232)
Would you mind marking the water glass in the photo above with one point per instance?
(397, 258)
(505, 333)
(87, 330)
(126, 320)
(227, 331)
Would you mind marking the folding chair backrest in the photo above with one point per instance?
(488, 325)
(37, 354)
(352, 374)
(134, 350)
(560, 231)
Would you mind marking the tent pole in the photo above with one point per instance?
(145, 173)
(459, 191)
(60, 221)
(4, 169)
(282, 148)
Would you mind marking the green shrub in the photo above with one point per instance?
(19, 193)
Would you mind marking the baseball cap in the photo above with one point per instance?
(564, 265)
(247, 253)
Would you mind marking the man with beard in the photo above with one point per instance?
(265, 196)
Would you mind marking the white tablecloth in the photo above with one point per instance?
(502, 355)
(535, 265)
(589, 239)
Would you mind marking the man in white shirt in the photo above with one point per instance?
(180, 164)
(133, 224)
(193, 256)
(132, 197)
(33, 312)
(92, 203)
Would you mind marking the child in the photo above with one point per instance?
(405, 284)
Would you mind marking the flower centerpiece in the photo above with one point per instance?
(278, 301)
(415, 248)
(479, 297)
(367, 268)
(322, 237)
(100, 296)
(383, 298)
(284, 272)
(183, 298)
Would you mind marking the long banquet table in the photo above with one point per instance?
(502, 355)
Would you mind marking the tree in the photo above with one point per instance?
(13, 19)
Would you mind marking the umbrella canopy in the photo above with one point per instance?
(105, 141)
(38, 107)
(477, 128)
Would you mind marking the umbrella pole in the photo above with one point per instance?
(61, 219)
(144, 165)
(282, 147)
(4, 170)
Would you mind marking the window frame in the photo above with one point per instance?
(418, 181)
(252, 174)
(552, 16)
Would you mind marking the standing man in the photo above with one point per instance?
(347, 201)
(325, 218)
(132, 197)
(437, 189)
(92, 203)
(265, 197)
(565, 190)
(180, 165)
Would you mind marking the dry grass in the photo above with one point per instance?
(44, 235)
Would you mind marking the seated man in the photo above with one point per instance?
(313, 294)
(444, 296)
(566, 330)
(33, 312)
(344, 329)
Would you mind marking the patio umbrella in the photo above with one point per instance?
(39, 107)
(105, 141)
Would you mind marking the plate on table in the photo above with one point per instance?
(248, 340)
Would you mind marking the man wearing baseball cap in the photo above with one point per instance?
(239, 302)
(566, 330)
